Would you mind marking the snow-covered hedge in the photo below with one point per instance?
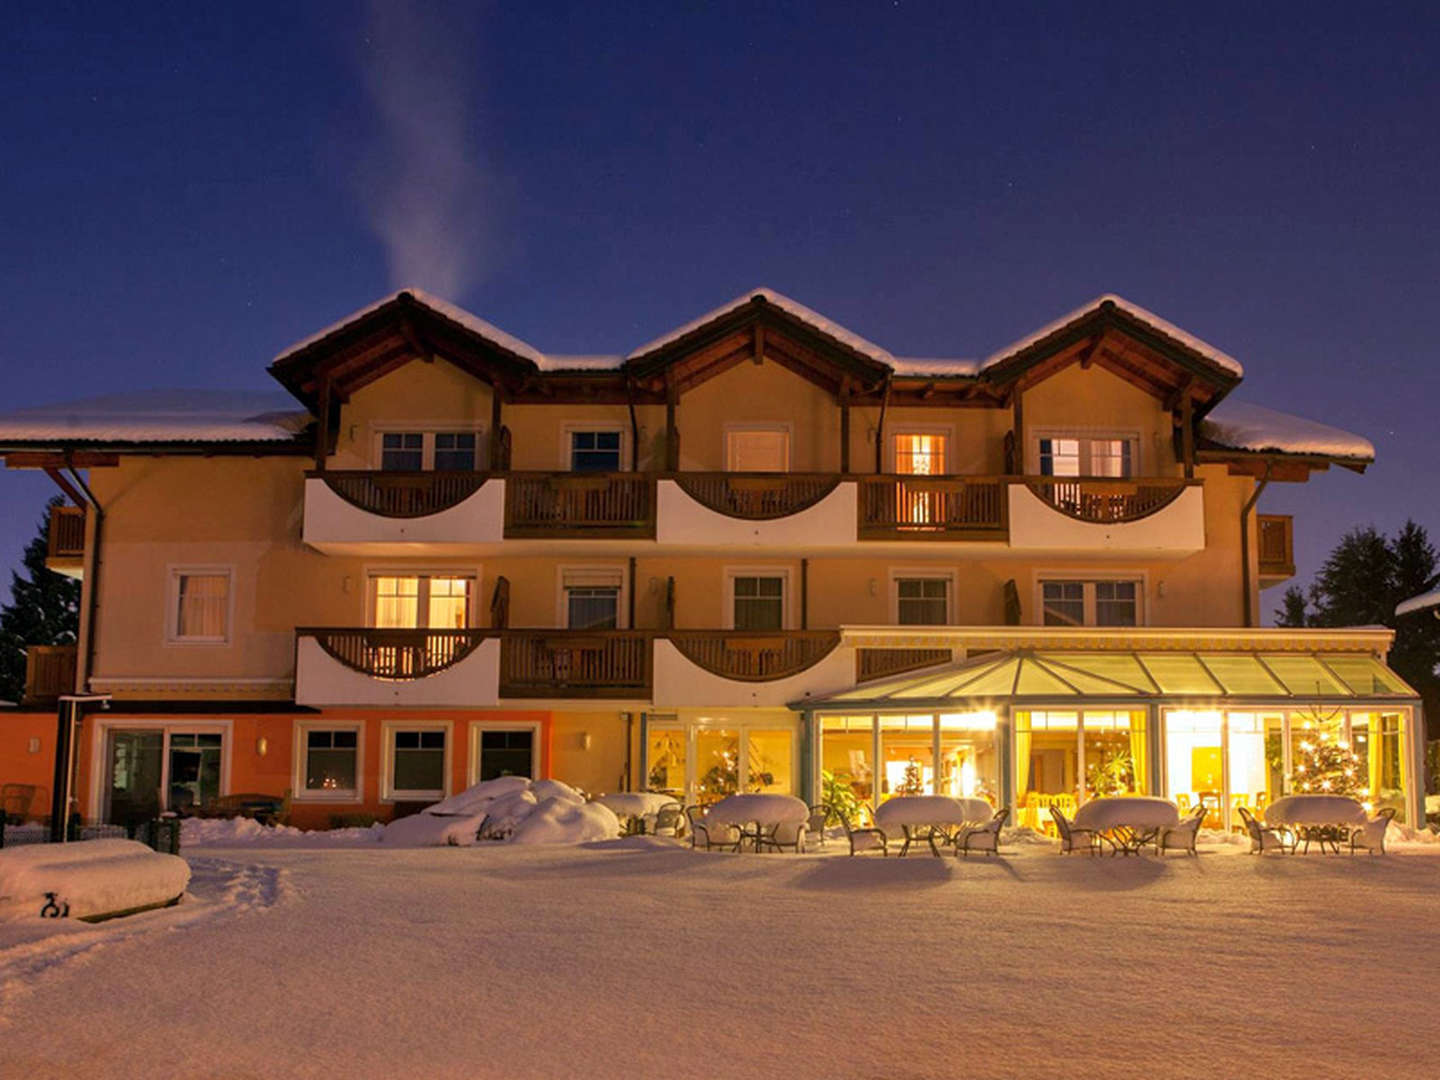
(90, 877)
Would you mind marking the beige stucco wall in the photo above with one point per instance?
(418, 396)
(1080, 400)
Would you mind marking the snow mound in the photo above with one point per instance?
(433, 830)
(91, 877)
(559, 821)
(244, 832)
(481, 795)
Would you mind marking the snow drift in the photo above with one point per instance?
(91, 877)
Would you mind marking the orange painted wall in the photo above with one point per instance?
(19, 764)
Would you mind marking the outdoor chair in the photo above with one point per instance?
(711, 837)
(819, 815)
(1371, 835)
(668, 820)
(865, 839)
(984, 838)
(1070, 835)
(789, 834)
(1262, 837)
(15, 800)
(1181, 837)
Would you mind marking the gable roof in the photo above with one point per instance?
(1239, 425)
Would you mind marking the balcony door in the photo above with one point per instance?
(151, 770)
(920, 453)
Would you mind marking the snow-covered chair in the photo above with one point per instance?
(787, 834)
(668, 820)
(1371, 835)
(865, 839)
(1181, 837)
(1070, 836)
(815, 826)
(712, 835)
(984, 838)
(1262, 837)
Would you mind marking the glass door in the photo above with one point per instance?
(701, 764)
(135, 766)
(1195, 763)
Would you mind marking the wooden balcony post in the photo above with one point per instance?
(845, 426)
(672, 436)
(322, 426)
(495, 426)
(1017, 430)
(1187, 433)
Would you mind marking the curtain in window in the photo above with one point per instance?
(202, 605)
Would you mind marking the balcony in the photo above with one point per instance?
(1155, 516)
(368, 666)
(403, 513)
(744, 668)
(756, 509)
(1276, 544)
(65, 541)
(567, 505)
(932, 508)
(49, 672)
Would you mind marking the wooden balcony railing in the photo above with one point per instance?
(750, 656)
(395, 654)
(575, 663)
(756, 496)
(65, 539)
(932, 507)
(402, 494)
(1104, 501)
(878, 663)
(579, 504)
(49, 671)
(1276, 545)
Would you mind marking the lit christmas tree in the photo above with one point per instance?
(1325, 765)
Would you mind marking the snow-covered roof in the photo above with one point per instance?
(580, 362)
(1238, 425)
(161, 416)
(814, 319)
(1419, 603)
(455, 314)
(1170, 330)
(940, 367)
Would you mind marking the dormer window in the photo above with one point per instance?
(402, 451)
(1087, 456)
(596, 450)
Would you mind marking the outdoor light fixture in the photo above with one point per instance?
(585, 740)
(262, 746)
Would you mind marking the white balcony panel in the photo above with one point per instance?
(321, 680)
(1176, 529)
(338, 527)
(829, 523)
(679, 682)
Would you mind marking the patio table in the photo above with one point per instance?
(635, 807)
(931, 813)
(1127, 822)
(762, 811)
(1322, 819)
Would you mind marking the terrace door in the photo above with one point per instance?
(919, 454)
(136, 770)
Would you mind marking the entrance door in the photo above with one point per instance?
(136, 763)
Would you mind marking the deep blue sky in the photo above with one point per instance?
(185, 189)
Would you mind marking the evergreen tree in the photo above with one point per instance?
(1294, 608)
(1356, 584)
(44, 609)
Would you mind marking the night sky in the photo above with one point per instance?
(185, 190)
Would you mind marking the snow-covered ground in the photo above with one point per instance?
(637, 957)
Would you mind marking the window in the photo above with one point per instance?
(1087, 457)
(920, 454)
(1090, 603)
(455, 450)
(420, 601)
(331, 762)
(414, 451)
(591, 598)
(417, 763)
(759, 602)
(402, 451)
(506, 753)
(200, 606)
(922, 601)
(757, 449)
(595, 451)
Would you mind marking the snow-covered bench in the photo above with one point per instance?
(89, 880)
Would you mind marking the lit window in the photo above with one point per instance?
(1090, 603)
(595, 451)
(759, 602)
(331, 761)
(1087, 457)
(455, 450)
(417, 763)
(419, 601)
(922, 601)
(402, 451)
(920, 454)
(202, 606)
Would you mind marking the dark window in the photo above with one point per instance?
(759, 603)
(1116, 603)
(402, 451)
(595, 451)
(1064, 603)
(506, 753)
(923, 601)
(592, 607)
(330, 760)
(455, 450)
(419, 761)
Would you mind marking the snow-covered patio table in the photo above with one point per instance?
(767, 813)
(1127, 822)
(923, 816)
(635, 806)
(1322, 819)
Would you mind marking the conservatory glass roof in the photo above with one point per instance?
(1025, 673)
